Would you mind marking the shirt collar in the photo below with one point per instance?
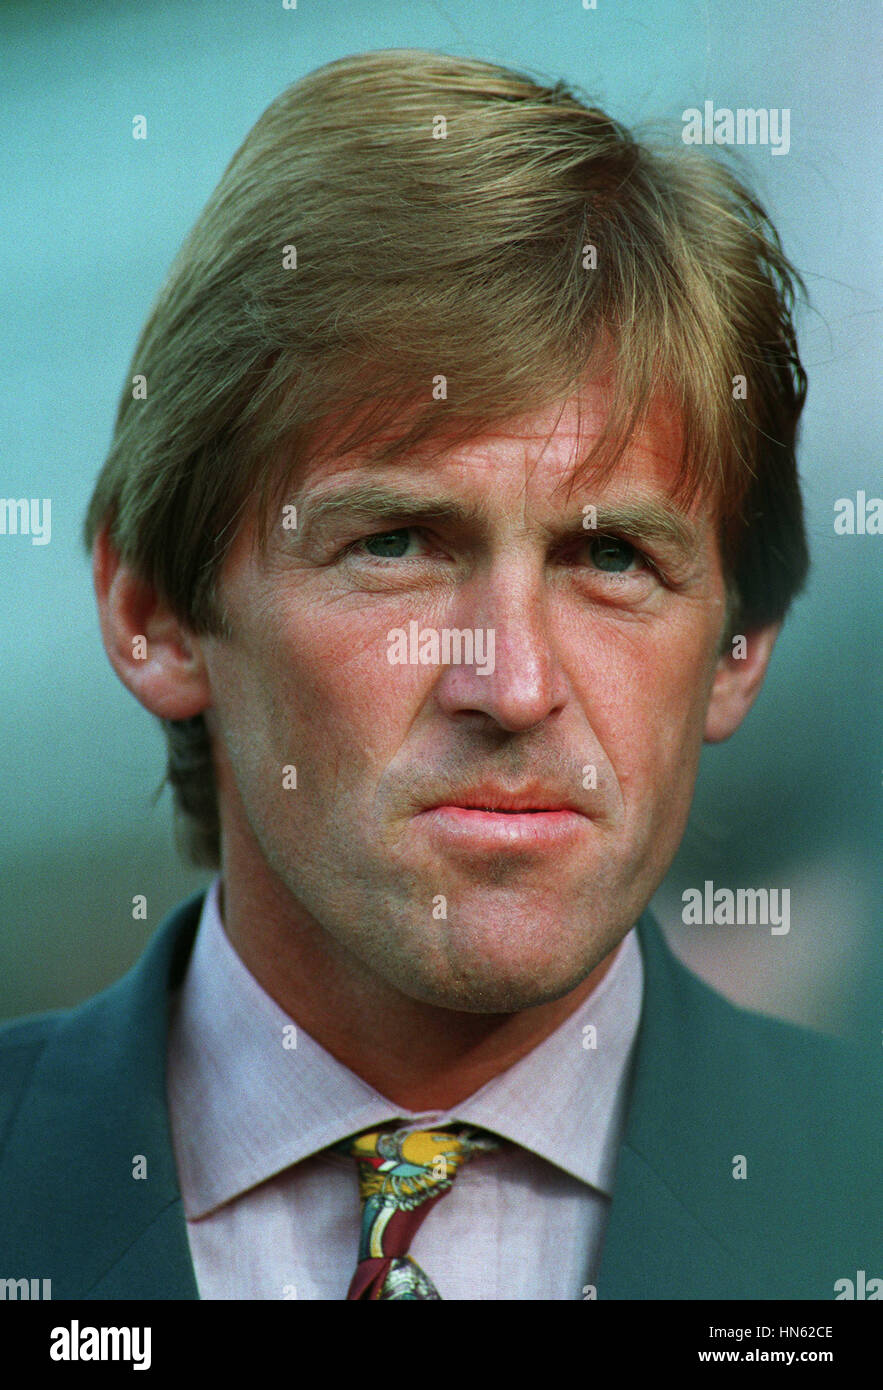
(246, 1104)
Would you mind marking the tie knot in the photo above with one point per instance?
(403, 1168)
(402, 1174)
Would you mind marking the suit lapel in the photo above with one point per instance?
(94, 1115)
(156, 1265)
(655, 1248)
(666, 1238)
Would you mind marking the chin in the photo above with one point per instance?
(496, 976)
(488, 996)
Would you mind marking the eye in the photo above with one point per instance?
(613, 555)
(389, 545)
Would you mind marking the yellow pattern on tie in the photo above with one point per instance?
(402, 1173)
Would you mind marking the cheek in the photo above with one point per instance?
(316, 689)
(337, 681)
(645, 693)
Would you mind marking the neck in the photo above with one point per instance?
(419, 1056)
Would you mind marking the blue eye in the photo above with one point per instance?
(388, 545)
(612, 554)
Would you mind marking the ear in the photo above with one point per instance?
(737, 680)
(152, 652)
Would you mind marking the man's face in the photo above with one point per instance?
(480, 838)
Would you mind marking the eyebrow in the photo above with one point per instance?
(647, 519)
(651, 520)
(374, 502)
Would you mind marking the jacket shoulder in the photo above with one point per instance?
(82, 1090)
(89, 1039)
(766, 1131)
(748, 1052)
(22, 1042)
(763, 1059)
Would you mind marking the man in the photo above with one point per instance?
(452, 507)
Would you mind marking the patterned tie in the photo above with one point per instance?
(402, 1173)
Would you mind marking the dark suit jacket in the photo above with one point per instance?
(83, 1091)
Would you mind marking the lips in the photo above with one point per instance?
(498, 800)
(530, 825)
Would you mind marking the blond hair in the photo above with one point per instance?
(400, 215)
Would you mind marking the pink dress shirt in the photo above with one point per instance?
(270, 1215)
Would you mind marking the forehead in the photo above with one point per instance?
(538, 460)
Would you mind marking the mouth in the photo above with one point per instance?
(511, 811)
(495, 819)
(498, 801)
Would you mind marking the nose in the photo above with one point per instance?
(527, 683)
